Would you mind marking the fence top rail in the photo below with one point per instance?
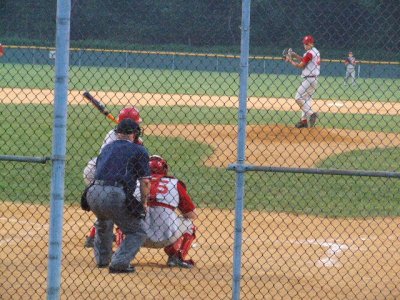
(214, 55)
(369, 173)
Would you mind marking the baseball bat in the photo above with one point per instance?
(100, 106)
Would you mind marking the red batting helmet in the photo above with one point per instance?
(308, 39)
(130, 113)
(158, 165)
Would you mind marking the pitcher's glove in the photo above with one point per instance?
(287, 54)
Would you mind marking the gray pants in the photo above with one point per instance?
(350, 75)
(108, 204)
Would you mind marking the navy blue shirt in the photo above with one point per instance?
(123, 161)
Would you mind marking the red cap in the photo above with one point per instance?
(308, 39)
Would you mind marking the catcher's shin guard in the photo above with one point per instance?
(173, 249)
(186, 244)
(182, 245)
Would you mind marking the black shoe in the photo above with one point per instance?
(130, 269)
(302, 124)
(102, 266)
(89, 243)
(175, 261)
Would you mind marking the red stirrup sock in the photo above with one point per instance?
(92, 232)
(119, 236)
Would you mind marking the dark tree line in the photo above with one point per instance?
(336, 24)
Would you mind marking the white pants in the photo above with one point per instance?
(304, 96)
(164, 227)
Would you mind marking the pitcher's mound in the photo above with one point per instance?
(276, 145)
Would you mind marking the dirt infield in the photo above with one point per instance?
(36, 96)
(284, 255)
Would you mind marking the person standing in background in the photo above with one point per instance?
(1, 50)
(350, 63)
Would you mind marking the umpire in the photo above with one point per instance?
(118, 167)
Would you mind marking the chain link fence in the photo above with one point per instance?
(321, 206)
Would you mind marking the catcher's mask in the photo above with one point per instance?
(308, 39)
(130, 113)
(158, 165)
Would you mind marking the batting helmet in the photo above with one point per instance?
(308, 39)
(130, 113)
(158, 165)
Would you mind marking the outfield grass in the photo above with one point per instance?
(28, 128)
(27, 131)
(193, 82)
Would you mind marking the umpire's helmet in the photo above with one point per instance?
(158, 165)
(308, 39)
(130, 113)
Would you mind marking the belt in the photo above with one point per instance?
(108, 183)
(310, 76)
(155, 203)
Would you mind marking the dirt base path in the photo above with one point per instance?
(37, 96)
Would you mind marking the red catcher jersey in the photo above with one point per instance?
(171, 191)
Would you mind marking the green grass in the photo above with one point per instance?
(194, 82)
(27, 130)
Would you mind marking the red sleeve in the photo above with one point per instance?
(307, 58)
(1, 50)
(185, 202)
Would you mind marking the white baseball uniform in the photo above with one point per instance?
(307, 88)
(163, 225)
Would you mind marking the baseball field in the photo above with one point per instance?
(338, 238)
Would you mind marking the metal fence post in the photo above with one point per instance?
(59, 149)
(240, 175)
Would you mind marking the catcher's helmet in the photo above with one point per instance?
(158, 165)
(308, 39)
(130, 113)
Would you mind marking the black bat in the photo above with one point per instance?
(100, 106)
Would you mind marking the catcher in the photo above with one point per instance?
(164, 227)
